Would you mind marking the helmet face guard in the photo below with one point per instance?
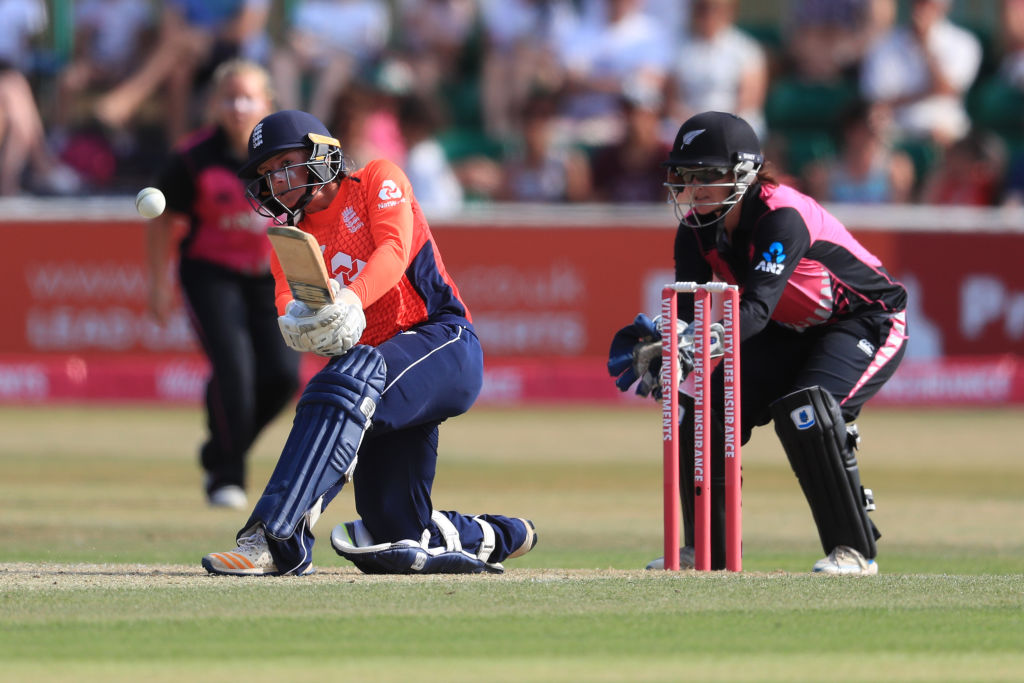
(324, 165)
(711, 150)
(280, 132)
(684, 184)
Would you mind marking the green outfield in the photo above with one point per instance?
(103, 525)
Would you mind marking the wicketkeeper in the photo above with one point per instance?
(822, 327)
(403, 358)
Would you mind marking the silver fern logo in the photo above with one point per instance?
(688, 138)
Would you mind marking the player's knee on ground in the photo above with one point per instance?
(352, 541)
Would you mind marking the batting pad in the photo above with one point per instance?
(352, 541)
(813, 434)
(333, 413)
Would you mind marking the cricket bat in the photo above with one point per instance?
(303, 265)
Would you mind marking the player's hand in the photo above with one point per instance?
(716, 334)
(346, 327)
(297, 319)
(159, 301)
(330, 330)
(635, 354)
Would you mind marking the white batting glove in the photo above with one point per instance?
(293, 323)
(344, 330)
(331, 330)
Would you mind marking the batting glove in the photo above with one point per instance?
(298, 319)
(330, 330)
(346, 326)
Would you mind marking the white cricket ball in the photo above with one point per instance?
(150, 202)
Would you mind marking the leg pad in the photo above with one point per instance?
(813, 433)
(352, 541)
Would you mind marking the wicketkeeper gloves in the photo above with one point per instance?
(635, 354)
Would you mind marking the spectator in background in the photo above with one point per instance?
(366, 117)
(717, 67)
(867, 170)
(546, 167)
(224, 268)
(1013, 183)
(521, 43)
(970, 172)
(825, 40)
(431, 36)
(25, 160)
(630, 170)
(1011, 25)
(437, 188)
(110, 37)
(600, 58)
(672, 15)
(21, 23)
(922, 70)
(195, 36)
(330, 42)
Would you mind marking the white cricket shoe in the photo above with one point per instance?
(251, 558)
(846, 561)
(230, 496)
(685, 559)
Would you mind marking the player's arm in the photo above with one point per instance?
(389, 207)
(690, 266)
(162, 235)
(160, 242)
(779, 242)
(282, 292)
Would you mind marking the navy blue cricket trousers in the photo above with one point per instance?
(434, 371)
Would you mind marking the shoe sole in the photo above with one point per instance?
(870, 570)
(254, 571)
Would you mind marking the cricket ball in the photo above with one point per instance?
(150, 202)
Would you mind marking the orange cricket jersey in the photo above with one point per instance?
(376, 241)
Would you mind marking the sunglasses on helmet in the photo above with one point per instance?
(700, 176)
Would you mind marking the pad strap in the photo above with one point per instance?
(488, 544)
(352, 541)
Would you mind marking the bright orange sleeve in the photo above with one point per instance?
(389, 207)
(282, 292)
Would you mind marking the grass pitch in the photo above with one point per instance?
(103, 524)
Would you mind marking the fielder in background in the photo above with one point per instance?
(224, 270)
(822, 328)
(403, 358)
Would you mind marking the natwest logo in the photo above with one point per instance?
(346, 267)
(389, 190)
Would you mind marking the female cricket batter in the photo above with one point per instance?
(224, 269)
(822, 328)
(403, 358)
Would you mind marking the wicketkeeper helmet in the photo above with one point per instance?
(711, 149)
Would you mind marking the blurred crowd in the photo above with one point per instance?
(531, 100)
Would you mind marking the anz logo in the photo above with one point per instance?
(773, 259)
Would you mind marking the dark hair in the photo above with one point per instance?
(766, 176)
